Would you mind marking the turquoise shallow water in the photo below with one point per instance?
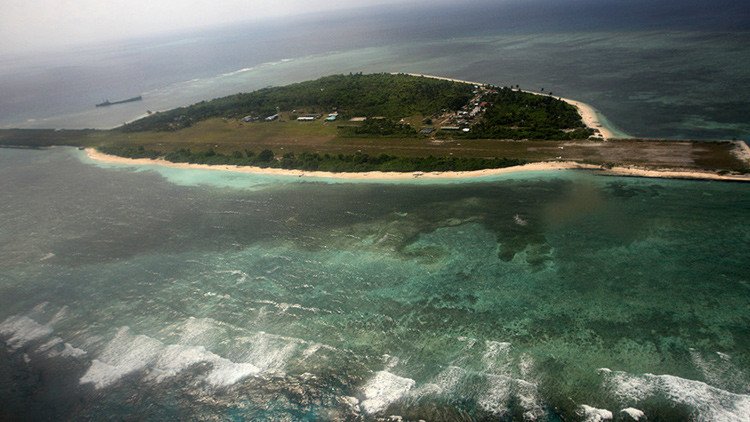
(172, 294)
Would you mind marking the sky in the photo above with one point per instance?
(31, 26)
(37, 25)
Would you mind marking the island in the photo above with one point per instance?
(398, 125)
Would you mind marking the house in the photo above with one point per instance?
(305, 118)
(272, 117)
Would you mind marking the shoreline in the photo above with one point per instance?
(96, 155)
(588, 113)
(742, 151)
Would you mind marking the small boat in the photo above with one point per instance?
(129, 100)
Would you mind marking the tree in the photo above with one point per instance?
(266, 156)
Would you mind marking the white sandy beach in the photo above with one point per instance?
(379, 175)
(373, 175)
(742, 151)
(589, 116)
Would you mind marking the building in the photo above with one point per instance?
(272, 117)
(305, 118)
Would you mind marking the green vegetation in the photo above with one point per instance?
(378, 128)
(520, 115)
(319, 162)
(386, 99)
(383, 95)
(521, 109)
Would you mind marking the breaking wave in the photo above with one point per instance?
(708, 403)
(128, 353)
(493, 387)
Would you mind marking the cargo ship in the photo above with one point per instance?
(129, 100)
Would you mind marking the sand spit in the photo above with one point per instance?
(742, 151)
(589, 116)
(379, 175)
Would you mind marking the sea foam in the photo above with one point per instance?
(22, 330)
(176, 358)
(444, 383)
(496, 357)
(266, 351)
(200, 331)
(708, 402)
(633, 413)
(127, 354)
(719, 370)
(490, 386)
(58, 347)
(495, 397)
(592, 414)
(123, 355)
(383, 389)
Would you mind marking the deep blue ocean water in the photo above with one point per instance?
(671, 69)
(159, 293)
